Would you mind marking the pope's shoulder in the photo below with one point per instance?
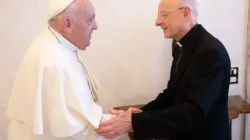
(43, 50)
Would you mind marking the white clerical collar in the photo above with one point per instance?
(63, 40)
(179, 44)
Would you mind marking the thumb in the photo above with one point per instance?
(135, 110)
(114, 112)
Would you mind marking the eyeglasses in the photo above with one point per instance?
(165, 14)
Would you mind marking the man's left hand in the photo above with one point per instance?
(116, 126)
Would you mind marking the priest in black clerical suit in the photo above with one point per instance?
(194, 104)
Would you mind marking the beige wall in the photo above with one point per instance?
(131, 69)
(246, 122)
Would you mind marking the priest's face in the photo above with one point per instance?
(171, 18)
(83, 24)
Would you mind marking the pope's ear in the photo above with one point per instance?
(68, 26)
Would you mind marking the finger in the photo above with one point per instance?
(109, 135)
(97, 132)
(114, 112)
(104, 130)
(112, 134)
(108, 122)
(135, 110)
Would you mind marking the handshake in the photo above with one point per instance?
(118, 125)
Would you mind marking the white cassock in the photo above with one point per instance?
(53, 94)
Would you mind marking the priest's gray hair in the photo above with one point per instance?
(191, 4)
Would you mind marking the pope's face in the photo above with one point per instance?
(83, 24)
(86, 25)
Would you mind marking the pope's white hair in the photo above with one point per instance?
(191, 4)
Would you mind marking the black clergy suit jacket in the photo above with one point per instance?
(194, 104)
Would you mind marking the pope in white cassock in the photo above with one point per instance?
(54, 96)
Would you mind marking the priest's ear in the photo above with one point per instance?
(186, 13)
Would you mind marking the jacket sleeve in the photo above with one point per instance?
(163, 100)
(204, 90)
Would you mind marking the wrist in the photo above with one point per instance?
(130, 124)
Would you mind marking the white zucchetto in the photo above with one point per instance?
(57, 6)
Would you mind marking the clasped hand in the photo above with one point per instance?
(118, 125)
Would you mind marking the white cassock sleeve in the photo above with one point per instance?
(64, 107)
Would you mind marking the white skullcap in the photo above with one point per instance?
(57, 6)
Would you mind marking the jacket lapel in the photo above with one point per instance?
(181, 66)
(189, 43)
